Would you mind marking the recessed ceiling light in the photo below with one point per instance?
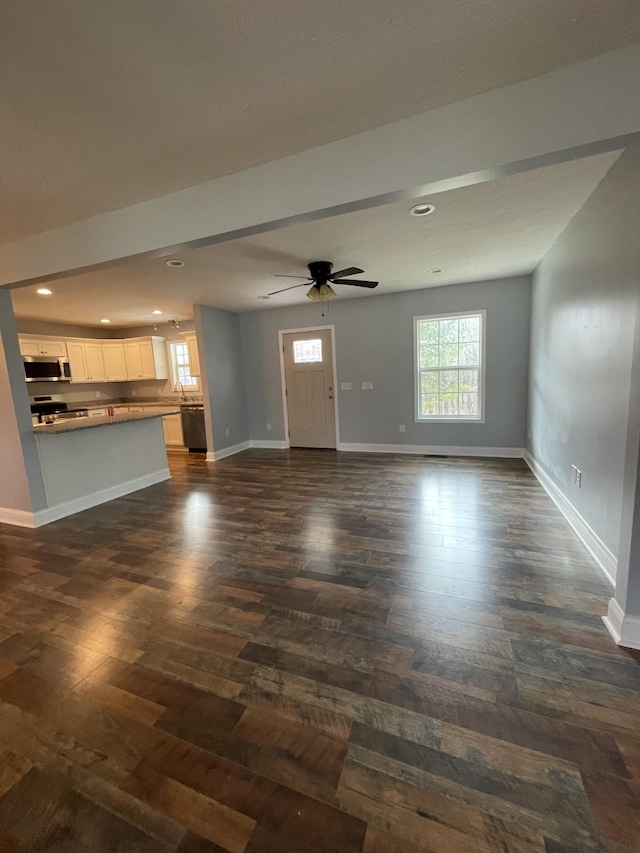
(174, 262)
(44, 291)
(263, 297)
(105, 321)
(435, 271)
(156, 312)
(422, 209)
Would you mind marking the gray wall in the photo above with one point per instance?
(374, 341)
(223, 379)
(21, 485)
(585, 300)
(62, 330)
(628, 579)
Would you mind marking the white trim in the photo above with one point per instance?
(624, 629)
(603, 556)
(57, 511)
(217, 455)
(464, 419)
(269, 445)
(16, 517)
(283, 378)
(435, 450)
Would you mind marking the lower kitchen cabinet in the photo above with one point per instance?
(172, 426)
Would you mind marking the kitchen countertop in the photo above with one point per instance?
(102, 404)
(90, 423)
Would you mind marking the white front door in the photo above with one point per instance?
(308, 363)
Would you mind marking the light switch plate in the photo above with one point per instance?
(367, 385)
(345, 386)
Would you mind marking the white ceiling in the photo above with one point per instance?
(104, 104)
(495, 229)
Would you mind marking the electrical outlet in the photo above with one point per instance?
(367, 385)
(269, 427)
(227, 431)
(345, 386)
(97, 395)
(401, 427)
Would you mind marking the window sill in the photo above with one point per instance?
(449, 420)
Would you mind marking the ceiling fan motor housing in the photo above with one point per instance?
(320, 271)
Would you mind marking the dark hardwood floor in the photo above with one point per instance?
(312, 652)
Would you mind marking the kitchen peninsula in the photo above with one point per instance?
(89, 461)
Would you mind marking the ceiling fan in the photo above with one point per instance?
(322, 277)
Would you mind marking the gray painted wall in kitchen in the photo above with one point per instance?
(222, 380)
(585, 303)
(21, 484)
(27, 326)
(374, 341)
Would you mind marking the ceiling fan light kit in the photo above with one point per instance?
(321, 292)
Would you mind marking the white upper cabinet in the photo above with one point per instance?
(146, 358)
(85, 360)
(35, 346)
(105, 360)
(194, 358)
(115, 365)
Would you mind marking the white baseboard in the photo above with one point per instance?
(603, 556)
(217, 455)
(434, 450)
(53, 513)
(16, 517)
(624, 629)
(269, 445)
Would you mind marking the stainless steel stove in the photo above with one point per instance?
(50, 408)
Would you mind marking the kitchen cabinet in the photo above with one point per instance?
(115, 364)
(97, 413)
(146, 358)
(85, 360)
(194, 359)
(33, 346)
(172, 426)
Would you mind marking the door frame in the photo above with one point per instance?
(283, 379)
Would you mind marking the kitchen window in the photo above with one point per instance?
(449, 367)
(180, 367)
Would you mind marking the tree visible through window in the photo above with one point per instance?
(449, 367)
(181, 367)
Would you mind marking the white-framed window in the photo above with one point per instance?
(180, 368)
(449, 357)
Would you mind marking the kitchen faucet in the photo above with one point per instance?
(182, 394)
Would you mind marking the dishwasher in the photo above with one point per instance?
(194, 434)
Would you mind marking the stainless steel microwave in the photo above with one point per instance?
(46, 368)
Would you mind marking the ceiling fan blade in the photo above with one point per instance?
(284, 275)
(356, 282)
(293, 286)
(342, 273)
